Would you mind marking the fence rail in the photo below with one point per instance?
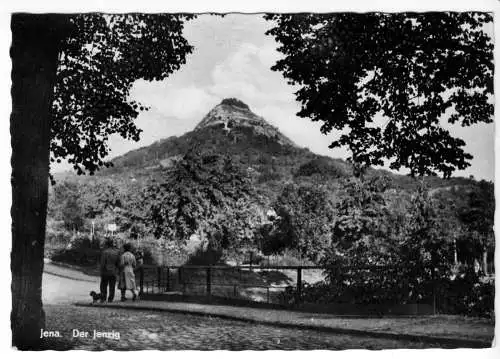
(248, 266)
(270, 284)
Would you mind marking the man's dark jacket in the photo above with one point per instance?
(109, 261)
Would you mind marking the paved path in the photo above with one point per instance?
(146, 329)
(68, 272)
(167, 325)
(66, 286)
(449, 330)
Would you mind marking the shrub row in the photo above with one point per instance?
(464, 294)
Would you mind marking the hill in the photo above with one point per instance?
(232, 128)
(282, 175)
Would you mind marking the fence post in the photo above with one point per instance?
(141, 281)
(209, 282)
(434, 290)
(168, 280)
(299, 285)
(158, 273)
(179, 274)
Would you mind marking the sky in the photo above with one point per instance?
(232, 57)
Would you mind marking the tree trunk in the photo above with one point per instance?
(34, 52)
(455, 253)
(485, 262)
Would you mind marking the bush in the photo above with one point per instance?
(203, 257)
(377, 286)
(80, 251)
(481, 301)
(465, 294)
(268, 175)
(55, 241)
(161, 252)
(321, 167)
(146, 252)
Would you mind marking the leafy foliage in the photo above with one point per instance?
(205, 193)
(321, 167)
(479, 211)
(305, 216)
(477, 215)
(388, 81)
(101, 197)
(425, 242)
(467, 294)
(463, 295)
(98, 65)
(393, 254)
(362, 224)
(66, 205)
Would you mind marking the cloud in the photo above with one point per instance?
(246, 74)
(172, 100)
(238, 69)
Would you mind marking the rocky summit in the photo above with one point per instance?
(231, 113)
(231, 128)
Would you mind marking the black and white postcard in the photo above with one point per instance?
(252, 179)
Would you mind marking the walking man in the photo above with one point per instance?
(110, 260)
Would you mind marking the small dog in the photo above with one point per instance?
(97, 297)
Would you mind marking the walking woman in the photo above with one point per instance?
(127, 276)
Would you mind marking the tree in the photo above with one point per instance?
(65, 204)
(426, 249)
(101, 196)
(361, 230)
(320, 167)
(377, 227)
(71, 76)
(305, 217)
(387, 81)
(426, 241)
(478, 216)
(73, 216)
(446, 204)
(203, 193)
(365, 235)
